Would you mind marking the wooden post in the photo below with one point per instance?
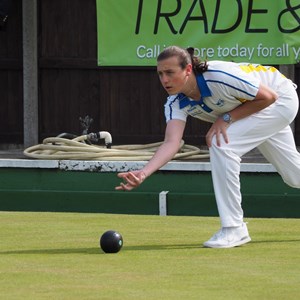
(30, 72)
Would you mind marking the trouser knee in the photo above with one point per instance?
(293, 182)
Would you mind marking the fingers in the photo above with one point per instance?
(210, 136)
(122, 175)
(225, 137)
(131, 180)
(208, 139)
(123, 187)
(220, 134)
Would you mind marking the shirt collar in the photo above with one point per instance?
(202, 85)
(204, 90)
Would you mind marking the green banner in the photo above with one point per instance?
(134, 32)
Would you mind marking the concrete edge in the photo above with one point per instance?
(123, 166)
(29, 163)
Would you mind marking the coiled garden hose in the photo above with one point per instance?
(81, 148)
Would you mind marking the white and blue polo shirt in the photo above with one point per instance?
(224, 86)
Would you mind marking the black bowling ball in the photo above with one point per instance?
(111, 241)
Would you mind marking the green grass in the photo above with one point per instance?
(57, 256)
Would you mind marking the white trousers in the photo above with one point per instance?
(269, 131)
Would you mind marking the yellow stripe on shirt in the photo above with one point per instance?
(257, 68)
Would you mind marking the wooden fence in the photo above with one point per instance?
(127, 102)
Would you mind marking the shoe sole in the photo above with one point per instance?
(236, 244)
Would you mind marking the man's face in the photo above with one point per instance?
(172, 77)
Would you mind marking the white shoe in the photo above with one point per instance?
(228, 237)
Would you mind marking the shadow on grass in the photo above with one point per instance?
(163, 247)
(55, 251)
(276, 241)
(99, 251)
(127, 248)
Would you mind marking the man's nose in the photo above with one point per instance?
(164, 78)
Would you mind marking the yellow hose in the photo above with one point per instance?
(58, 148)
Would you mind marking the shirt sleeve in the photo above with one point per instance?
(172, 110)
(247, 86)
(236, 83)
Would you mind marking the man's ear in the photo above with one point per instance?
(189, 69)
